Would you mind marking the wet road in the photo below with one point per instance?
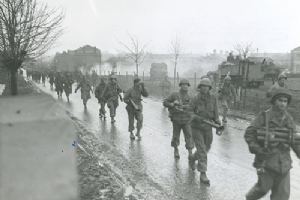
(229, 162)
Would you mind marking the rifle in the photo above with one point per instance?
(134, 105)
(121, 98)
(219, 128)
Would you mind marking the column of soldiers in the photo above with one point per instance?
(187, 114)
(196, 116)
(272, 156)
(109, 94)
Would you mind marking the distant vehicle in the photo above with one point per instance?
(248, 72)
(158, 71)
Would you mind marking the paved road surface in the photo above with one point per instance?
(230, 164)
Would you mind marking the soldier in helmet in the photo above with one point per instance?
(204, 106)
(99, 95)
(111, 94)
(85, 88)
(178, 105)
(67, 85)
(58, 84)
(165, 87)
(227, 96)
(272, 158)
(133, 99)
(281, 83)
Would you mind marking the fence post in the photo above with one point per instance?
(143, 76)
(195, 80)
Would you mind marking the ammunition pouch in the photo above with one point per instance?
(279, 135)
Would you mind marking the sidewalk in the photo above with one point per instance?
(37, 158)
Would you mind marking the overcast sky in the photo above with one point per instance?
(201, 25)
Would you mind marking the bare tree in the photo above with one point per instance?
(243, 49)
(135, 51)
(175, 50)
(27, 30)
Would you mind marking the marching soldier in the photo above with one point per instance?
(111, 94)
(165, 87)
(85, 89)
(99, 95)
(51, 80)
(272, 156)
(178, 104)
(227, 96)
(204, 105)
(58, 85)
(281, 83)
(67, 85)
(133, 99)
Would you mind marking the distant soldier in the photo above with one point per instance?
(165, 87)
(230, 58)
(111, 94)
(227, 96)
(43, 75)
(178, 105)
(85, 89)
(272, 155)
(204, 106)
(101, 100)
(51, 80)
(67, 85)
(58, 85)
(94, 79)
(281, 83)
(133, 99)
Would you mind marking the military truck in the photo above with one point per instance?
(158, 71)
(249, 72)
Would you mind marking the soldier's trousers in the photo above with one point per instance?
(279, 184)
(225, 105)
(203, 139)
(102, 107)
(187, 132)
(133, 114)
(112, 105)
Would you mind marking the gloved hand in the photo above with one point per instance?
(176, 102)
(259, 151)
(255, 148)
(218, 121)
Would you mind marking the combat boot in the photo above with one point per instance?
(192, 163)
(132, 136)
(113, 120)
(176, 153)
(204, 179)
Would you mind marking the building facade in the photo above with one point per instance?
(83, 57)
(295, 60)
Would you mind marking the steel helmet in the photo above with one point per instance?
(279, 92)
(184, 81)
(227, 78)
(113, 77)
(281, 76)
(205, 82)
